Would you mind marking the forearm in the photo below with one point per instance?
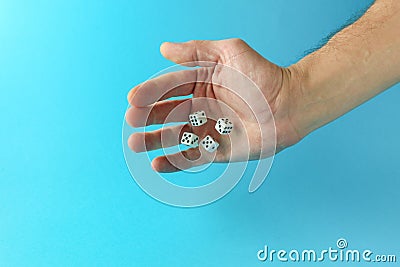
(359, 62)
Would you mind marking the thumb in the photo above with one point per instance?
(191, 51)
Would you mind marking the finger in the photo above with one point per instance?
(192, 51)
(164, 137)
(159, 113)
(179, 161)
(180, 83)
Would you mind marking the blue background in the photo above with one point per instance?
(66, 196)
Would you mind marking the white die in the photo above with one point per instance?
(198, 118)
(224, 126)
(209, 144)
(190, 139)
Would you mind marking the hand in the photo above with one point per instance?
(351, 68)
(148, 100)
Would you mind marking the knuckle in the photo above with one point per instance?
(194, 42)
(237, 41)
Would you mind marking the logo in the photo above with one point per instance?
(340, 253)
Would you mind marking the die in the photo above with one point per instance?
(209, 144)
(190, 139)
(198, 118)
(224, 126)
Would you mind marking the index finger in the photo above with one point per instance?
(180, 83)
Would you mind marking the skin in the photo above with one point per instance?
(356, 64)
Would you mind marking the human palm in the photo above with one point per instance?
(234, 81)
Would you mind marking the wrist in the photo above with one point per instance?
(310, 98)
(296, 93)
(289, 126)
